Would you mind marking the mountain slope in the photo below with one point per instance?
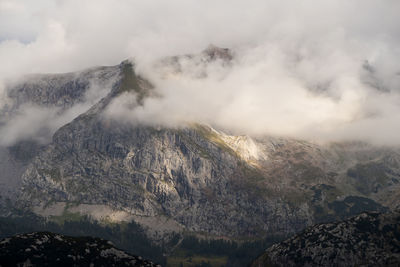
(369, 239)
(195, 178)
(49, 249)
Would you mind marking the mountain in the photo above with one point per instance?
(194, 179)
(369, 239)
(58, 98)
(49, 249)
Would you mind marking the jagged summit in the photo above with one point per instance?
(194, 65)
(215, 52)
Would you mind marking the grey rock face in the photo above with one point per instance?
(369, 239)
(202, 179)
(147, 172)
(59, 90)
(62, 95)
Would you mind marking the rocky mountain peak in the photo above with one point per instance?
(214, 52)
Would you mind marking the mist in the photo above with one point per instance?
(323, 71)
(32, 121)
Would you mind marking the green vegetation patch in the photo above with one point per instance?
(297, 197)
(189, 260)
(67, 216)
(307, 172)
(193, 251)
(252, 180)
(353, 205)
(130, 82)
(369, 177)
(327, 193)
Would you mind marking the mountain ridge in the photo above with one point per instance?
(368, 239)
(49, 249)
(195, 178)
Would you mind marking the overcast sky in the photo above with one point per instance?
(322, 70)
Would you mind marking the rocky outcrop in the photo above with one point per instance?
(50, 249)
(62, 90)
(369, 239)
(62, 95)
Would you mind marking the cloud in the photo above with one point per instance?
(310, 69)
(31, 121)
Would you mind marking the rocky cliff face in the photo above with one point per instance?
(191, 178)
(62, 90)
(49, 249)
(59, 98)
(369, 239)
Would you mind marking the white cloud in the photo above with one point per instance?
(298, 70)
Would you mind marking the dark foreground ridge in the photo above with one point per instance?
(369, 239)
(50, 249)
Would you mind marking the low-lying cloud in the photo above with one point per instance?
(33, 121)
(269, 91)
(321, 70)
